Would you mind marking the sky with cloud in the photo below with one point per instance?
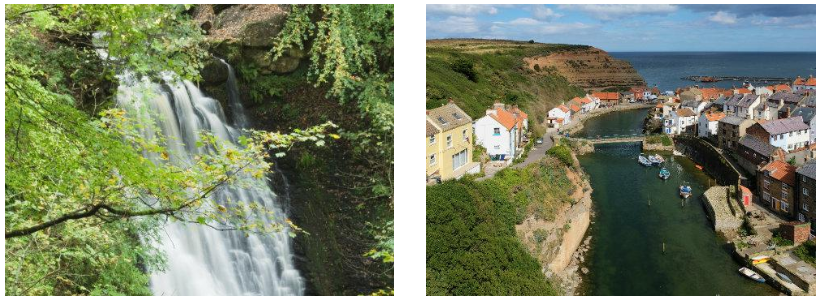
(618, 27)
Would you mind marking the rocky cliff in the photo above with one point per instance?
(589, 68)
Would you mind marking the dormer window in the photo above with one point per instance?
(457, 116)
(442, 121)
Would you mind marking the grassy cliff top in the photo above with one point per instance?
(477, 72)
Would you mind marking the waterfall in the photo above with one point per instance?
(201, 260)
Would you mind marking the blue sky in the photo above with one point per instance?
(633, 27)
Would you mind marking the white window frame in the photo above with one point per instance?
(805, 191)
(784, 206)
(449, 141)
(431, 140)
(432, 160)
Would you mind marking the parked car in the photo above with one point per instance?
(538, 141)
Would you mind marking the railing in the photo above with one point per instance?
(614, 138)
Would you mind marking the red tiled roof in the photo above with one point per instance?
(811, 81)
(782, 87)
(710, 93)
(505, 118)
(606, 95)
(559, 120)
(715, 116)
(799, 81)
(582, 100)
(781, 171)
(575, 108)
(743, 91)
(659, 105)
(563, 108)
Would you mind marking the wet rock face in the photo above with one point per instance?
(214, 72)
(246, 33)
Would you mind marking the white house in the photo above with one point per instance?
(559, 116)
(497, 132)
(788, 134)
(742, 105)
(587, 104)
(768, 110)
(679, 120)
(697, 106)
(707, 123)
(800, 84)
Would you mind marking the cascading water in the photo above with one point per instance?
(202, 260)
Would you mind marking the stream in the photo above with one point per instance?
(637, 214)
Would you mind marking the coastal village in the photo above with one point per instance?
(763, 136)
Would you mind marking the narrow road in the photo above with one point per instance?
(538, 151)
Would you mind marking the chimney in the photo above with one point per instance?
(499, 105)
(451, 101)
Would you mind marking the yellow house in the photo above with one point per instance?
(449, 143)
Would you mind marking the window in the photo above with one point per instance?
(459, 159)
(449, 140)
(784, 206)
(465, 137)
(805, 191)
(432, 160)
(766, 196)
(496, 131)
(431, 139)
(805, 207)
(784, 185)
(781, 136)
(497, 147)
(785, 195)
(766, 183)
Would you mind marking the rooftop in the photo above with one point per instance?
(448, 116)
(807, 169)
(734, 120)
(758, 146)
(782, 126)
(780, 170)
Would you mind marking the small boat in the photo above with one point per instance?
(643, 160)
(708, 79)
(685, 191)
(751, 274)
(784, 277)
(698, 167)
(760, 259)
(656, 159)
(664, 174)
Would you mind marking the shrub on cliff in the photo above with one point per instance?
(471, 244)
(562, 152)
(465, 67)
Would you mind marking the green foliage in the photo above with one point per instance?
(780, 241)
(471, 244)
(77, 183)
(499, 70)
(659, 139)
(807, 251)
(351, 52)
(465, 67)
(562, 152)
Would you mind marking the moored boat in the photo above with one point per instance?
(760, 259)
(664, 174)
(643, 160)
(656, 159)
(751, 274)
(685, 191)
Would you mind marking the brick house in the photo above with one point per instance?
(795, 231)
(754, 152)
(805, 193)
(776, 182)
(730, 129)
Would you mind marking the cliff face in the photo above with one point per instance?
(589, 68)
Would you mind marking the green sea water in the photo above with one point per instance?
(637, 213)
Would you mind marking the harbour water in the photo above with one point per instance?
(637, 213)
(665, 69)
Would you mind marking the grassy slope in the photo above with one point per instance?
(471, 244)
(502, 75)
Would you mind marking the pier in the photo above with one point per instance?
(739, 79)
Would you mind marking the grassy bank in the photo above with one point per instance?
(471, 244)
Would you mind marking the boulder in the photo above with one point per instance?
(584, 270)
(262, 33)
(214, 72)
